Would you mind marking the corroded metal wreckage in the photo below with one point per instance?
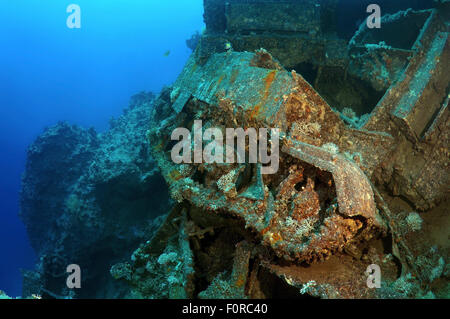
(282, 215)
(317, 221)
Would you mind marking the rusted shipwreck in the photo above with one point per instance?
(365, 125)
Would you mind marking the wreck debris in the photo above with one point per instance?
(235, 286)
(354, 192)
(323, 207)
(157, 270)
(255, 202)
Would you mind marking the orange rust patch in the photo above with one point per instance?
(276, 237)
(255, 111)
(268, 80)
(241, 281)
(265, 230)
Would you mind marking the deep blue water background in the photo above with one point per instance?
(50, 73)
